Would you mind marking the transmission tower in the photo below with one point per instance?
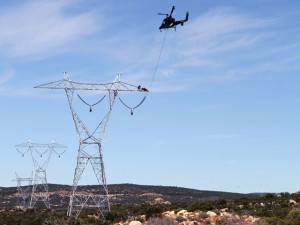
(90, 146)
(24, 191)
(40, 154)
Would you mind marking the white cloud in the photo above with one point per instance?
(194, 45)
(222, 44)
(218, 32)
(39, 28)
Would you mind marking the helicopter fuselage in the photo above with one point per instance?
(170, 22)
(167, 23)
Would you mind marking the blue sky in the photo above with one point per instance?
(223, 111)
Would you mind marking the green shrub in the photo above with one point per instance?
(274, 221)
(203, 206)
(217, 212)
(153, 211)
(203, 216)
(180, 219)
(293, 217)
(116, 216)
(222, 203)
(222, 222)
(147, 210)
(140, 219)
(269, 196)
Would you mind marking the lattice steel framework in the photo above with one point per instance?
(90, 147)
(24, 191)
(40, 186)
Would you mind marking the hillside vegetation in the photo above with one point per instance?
(211, 208)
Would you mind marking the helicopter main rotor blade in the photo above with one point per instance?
(164, 14)
(173, 8)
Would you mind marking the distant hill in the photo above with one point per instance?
(125, 194)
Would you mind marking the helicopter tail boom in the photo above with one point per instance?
(181, 22)
(187, 16)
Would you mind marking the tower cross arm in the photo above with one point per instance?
(116, 85)
(23, 179)
(56, 145)
(30, 144)
(46, 147)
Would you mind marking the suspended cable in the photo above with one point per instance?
(22, 152)
(132, 108)
(59, 153)
(41, 153)
(152, 79)
(90, 104)
(158, 60)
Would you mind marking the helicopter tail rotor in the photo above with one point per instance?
(187, 16)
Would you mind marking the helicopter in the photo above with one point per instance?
(170, 22)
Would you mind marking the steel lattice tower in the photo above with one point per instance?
(90, 146)
(24, 191)
(40, 186)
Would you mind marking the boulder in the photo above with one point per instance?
(292, 202)
(224, 210)
(236, 216)
(249, 220)
(191, 216)
(211, 214)
(181, 212)
(169, 214)
(225, 214)
(134, 222)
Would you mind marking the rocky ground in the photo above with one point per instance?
(196, 218)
